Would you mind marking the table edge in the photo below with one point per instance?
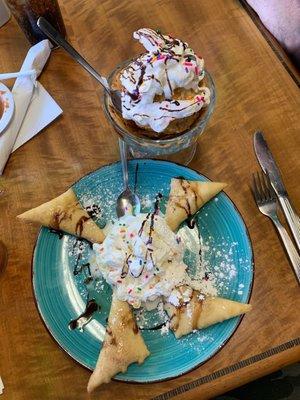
(272, 42)
(227, 370)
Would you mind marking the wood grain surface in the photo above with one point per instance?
(254, 91)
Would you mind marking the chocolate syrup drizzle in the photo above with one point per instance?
(153, 214)
(143, 224)
(59, 233)
(86, 316)
(155, 328)
(167, 49)
(94, 210)
(125, 268)
(80, 244)
(191, 218)
(78, 269)
(91, 306)
(191, 222)
(80, 225)
(177, 103)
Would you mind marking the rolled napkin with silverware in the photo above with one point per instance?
(267, 186)
(34, 107)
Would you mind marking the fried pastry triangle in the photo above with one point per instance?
(200, 312)
(187, 197)
(65, 213)
(123, 345)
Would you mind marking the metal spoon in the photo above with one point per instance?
(3, 257)
(128, 202)
(56, 37)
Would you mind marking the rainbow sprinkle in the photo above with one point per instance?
(199, 99)
(160, 57)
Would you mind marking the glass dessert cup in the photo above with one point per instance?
(178, 147)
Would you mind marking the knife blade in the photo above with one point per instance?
(268, 165)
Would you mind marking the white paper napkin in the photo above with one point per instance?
(1, 386)
(31, 111)
(41, 111)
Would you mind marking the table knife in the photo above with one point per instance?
(268, 165)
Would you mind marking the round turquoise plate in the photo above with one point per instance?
(62, 295)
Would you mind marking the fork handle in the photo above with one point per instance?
(289, 246)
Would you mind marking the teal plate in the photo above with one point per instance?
(61, 296)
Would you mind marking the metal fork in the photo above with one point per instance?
(266, 201)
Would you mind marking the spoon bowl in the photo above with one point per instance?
(128, 203)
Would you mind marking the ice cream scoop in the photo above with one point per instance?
(163, 84)
(141, 258)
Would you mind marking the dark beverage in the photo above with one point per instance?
(27, 13)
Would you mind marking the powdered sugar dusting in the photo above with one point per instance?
(165, 328)
(146, 202)
(213, 263)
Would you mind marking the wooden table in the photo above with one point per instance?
(255, 91)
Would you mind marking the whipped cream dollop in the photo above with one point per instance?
(141, 258)
(167, 65)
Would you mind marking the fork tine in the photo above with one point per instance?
(270, 188)
(255, 190)
(265, 186)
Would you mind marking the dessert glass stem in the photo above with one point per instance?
(123, 154)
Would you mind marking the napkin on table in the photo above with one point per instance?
(34, 107)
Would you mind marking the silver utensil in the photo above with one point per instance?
(3, 257)
(267, 203)
(56, 37)
(267, 163)
(127, 202)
